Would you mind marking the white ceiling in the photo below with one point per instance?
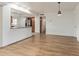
(44, 7)
(50, 6)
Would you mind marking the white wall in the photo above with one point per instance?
(37, 24)
(0, 25)
(77, 21)
(60, 25)
(12, 35)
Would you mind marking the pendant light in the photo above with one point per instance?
(59, 12)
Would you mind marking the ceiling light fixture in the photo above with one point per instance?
(59, 12)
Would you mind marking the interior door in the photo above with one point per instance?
(43, 24)
(33, 24)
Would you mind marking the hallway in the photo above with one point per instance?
(52, 45)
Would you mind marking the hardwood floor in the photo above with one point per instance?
(43, 45)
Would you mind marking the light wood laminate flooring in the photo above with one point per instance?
(43, 45)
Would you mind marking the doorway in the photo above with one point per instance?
(31, 22)
(42, 24)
